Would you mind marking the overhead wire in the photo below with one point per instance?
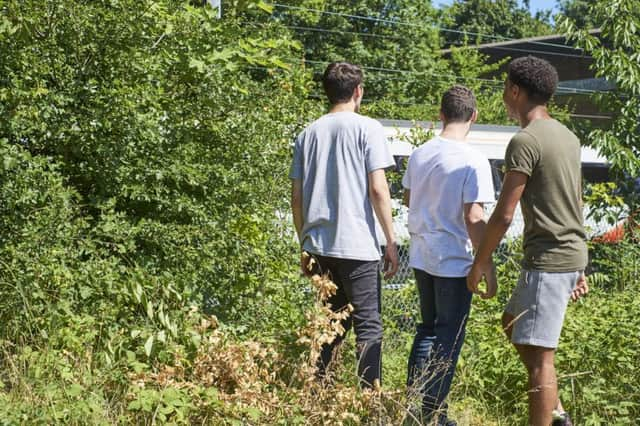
(411, 24)
(451, 76)
(540, 52)
(365, 100)
(371, 68)
(322, 96)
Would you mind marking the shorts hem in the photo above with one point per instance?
(548, 344)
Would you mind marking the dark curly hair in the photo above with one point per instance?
(458, 104)
(535, 75)
(340, 79)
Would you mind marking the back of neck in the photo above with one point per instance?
(343, 107)
(535, 113)
(455, 131)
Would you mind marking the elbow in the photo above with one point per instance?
(376, 193)
(504, 220)
(473, 219)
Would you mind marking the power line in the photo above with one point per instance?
(409, 103)
(325, 30)
(396, 71)
(483, 82)
(541, 52)
(409, 24)
(563, 90)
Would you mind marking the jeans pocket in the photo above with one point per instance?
(366, 268)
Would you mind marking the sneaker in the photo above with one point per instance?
(561, 419)
(445, 421)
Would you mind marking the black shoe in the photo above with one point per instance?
(561, 420)
(443, 420)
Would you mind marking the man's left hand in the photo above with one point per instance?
(581, 288)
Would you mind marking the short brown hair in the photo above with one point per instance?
(458, 104)
(340, 79)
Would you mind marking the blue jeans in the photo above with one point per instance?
(444, 305)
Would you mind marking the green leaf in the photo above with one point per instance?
(149, 309)
(148, 346)
(74, 390)
(265, 6)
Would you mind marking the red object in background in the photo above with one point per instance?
(614, 235)
(618, 232)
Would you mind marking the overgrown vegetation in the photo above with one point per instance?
(147, 266)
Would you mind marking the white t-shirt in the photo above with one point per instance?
(444, 175)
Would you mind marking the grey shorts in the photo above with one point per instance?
(538, 304)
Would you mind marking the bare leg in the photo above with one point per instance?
(543, 387)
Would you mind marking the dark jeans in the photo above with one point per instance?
(359, 284)
(444, 305)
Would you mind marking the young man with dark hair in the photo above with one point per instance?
(446, 184)
(543, 174)
(338, 185)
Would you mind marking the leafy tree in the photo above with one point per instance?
(399, 44)
(499, 20)
(167, 125)
(398, 41)
(616, 58)
(578, 11)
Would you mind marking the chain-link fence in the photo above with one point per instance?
(400, 305)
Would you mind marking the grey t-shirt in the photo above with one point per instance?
(333, 157)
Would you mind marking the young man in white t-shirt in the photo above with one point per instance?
(446, 184)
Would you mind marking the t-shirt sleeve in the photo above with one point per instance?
(478, 187)
(296, 170)
(377, 153)
(523, 154)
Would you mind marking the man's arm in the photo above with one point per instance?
(381, 202)
(475, 222)
(406, 197)
(512, 189)
(298, 221)
(296, 205)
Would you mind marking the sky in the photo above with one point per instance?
(535, 4)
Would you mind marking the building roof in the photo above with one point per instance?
(490, 139)
(572, 63)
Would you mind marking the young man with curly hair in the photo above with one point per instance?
(543, 174)
(338, 185)
(446, 184)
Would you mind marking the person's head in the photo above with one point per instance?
(458, 105)
(342, 83)
(531, 81)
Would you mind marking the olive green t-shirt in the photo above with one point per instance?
(554, 236)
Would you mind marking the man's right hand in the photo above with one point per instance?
(306, 264)
(479, 271)
(390, 260)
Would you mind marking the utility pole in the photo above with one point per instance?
(217, 4)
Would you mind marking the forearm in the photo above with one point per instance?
(296, 207)
(475, 222)
(512, 189)
(381, 202)
(476, 230)
(297, 219)
(492, 235)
